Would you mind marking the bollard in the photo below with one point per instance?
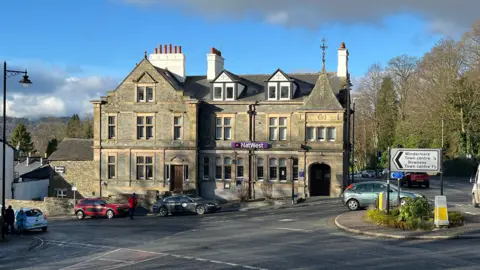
(441, 212)
(382, 203)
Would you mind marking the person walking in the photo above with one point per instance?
(10, 219)
(132, 203)
(21, 220)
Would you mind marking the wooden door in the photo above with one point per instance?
(177, 183)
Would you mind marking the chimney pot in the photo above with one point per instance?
(160, 48)
(175, 49)
(179, 49)
(170, 48)
(155, 51)
(45, 155)
(212, 50)
(165, 48)
(342, 45)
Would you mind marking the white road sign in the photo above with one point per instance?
(415, 160)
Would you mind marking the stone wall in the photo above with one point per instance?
(50, 206)
(77, 173)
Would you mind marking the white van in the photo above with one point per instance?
(476, 188)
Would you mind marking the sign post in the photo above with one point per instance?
(398, 176)
(74, 189)
(388, 181)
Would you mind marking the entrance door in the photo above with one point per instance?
(319, 180)
(177, 184)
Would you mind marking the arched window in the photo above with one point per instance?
(282, 168)
(273, 174)
(227, 168)
(218, 168)
(240, 168)
(260, 169)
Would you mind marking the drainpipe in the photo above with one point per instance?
(100, 145)
(250, 138)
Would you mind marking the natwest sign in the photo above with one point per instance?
(254, 145)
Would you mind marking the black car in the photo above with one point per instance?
(185, 204)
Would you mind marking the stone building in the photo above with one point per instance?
(72, 165)
(213, 134)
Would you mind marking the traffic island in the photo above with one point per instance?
(357, 223)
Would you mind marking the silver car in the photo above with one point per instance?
(361, 195)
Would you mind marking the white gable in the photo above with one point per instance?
(278, 77)
(223, 78)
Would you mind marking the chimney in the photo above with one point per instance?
(342, 69)
(41, 160)
(160, 48)
(28, 160)
(155, 50)
(215, 63)
(174, 61)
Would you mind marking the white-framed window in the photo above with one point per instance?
(218, 92)
(223, 128)
(144, 127)
(144, 166)
(111, 167)
(229, 92)
(227, 168)
(310, 134)
(331, 134)
(144, 94)
(282, 169)
(260, 169)
(218, 168)
(177, 127)
(295, 169)
(240, 168)
(272, 92)
(277, 128)
(61, 193)
(321, 134)
(284, 92)
(272, 169)
(206, 168)
(111, 127)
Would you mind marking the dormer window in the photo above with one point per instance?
(272, 92)
(227, 86)
(284, 92)
(144, 93)
(280, 86)
(218, 93)
(229, 92)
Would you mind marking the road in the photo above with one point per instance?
(294, 238)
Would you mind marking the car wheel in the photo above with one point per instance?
(162, 211)
(80, 215)
(200, 210)
(474, 201)
(110, 214)
(44, 229)
(353, 205)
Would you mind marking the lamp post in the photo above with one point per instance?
(25, 81)
(293, 181)
(353, 142)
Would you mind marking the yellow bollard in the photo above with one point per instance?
(381, 201)
(441, 211)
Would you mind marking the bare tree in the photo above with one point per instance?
(402, 69)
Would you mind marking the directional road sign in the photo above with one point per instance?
(415, 160)
(397, 175)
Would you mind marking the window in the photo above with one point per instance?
(295, 169)
(185, 169)
(61, 193)
(321, 134)
(260, 169)
(227, 168)
(144, 94)
(218, 168)
(229, 94)
(167, 172)
(144, 127)
(111, 167)
(278, 128)
(144, 167)
(272, 92)
(240, 168)
(379, 188)
(217, 93)
(282, 169)
(284, 92)
(310, 134)
(364, 188)
(223, 129)
(177, 127)
(331, 134)
(206, 168)
(273, 169)
(111, 127)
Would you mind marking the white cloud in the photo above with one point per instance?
(315, 13)
(55, 92)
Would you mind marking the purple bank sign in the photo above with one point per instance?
(251, 145)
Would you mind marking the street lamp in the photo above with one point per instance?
(25, 81)
(353, 142)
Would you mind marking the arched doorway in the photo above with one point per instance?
(319, 178)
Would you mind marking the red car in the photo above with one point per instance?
(416, 178)
(96, 207)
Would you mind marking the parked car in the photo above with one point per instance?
(361, 195)
(416, 178)
(185, 204)
(35, 220)
(368, 174)
(96, 207)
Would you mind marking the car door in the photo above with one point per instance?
(88, 208)
(100, 207)
(170, 204)
(186, 204)
(364, 194)
(40, 218)
(31, 221)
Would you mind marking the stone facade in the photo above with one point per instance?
(49, 206)
(77, 173)
(183, 120)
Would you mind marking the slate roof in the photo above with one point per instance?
(37, 174)
(322, 96)
(73, 149)
(21, 167)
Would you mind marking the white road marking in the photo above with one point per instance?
(41, 243)
(470, 213)
(295, 230)
(92, 259)
(114, 260)
(286, 220)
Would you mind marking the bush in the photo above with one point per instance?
(267, 190)
(415, 209)
(242, 191)
(391, 220)
(456, 219)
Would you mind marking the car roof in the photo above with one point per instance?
(371, 182)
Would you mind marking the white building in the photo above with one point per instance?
(9, 174)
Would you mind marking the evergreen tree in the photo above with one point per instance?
(51, 147)
(75, 127)
(87, 129)
(387, 114)
(22, 140)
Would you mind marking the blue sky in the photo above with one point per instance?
(95, 43)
